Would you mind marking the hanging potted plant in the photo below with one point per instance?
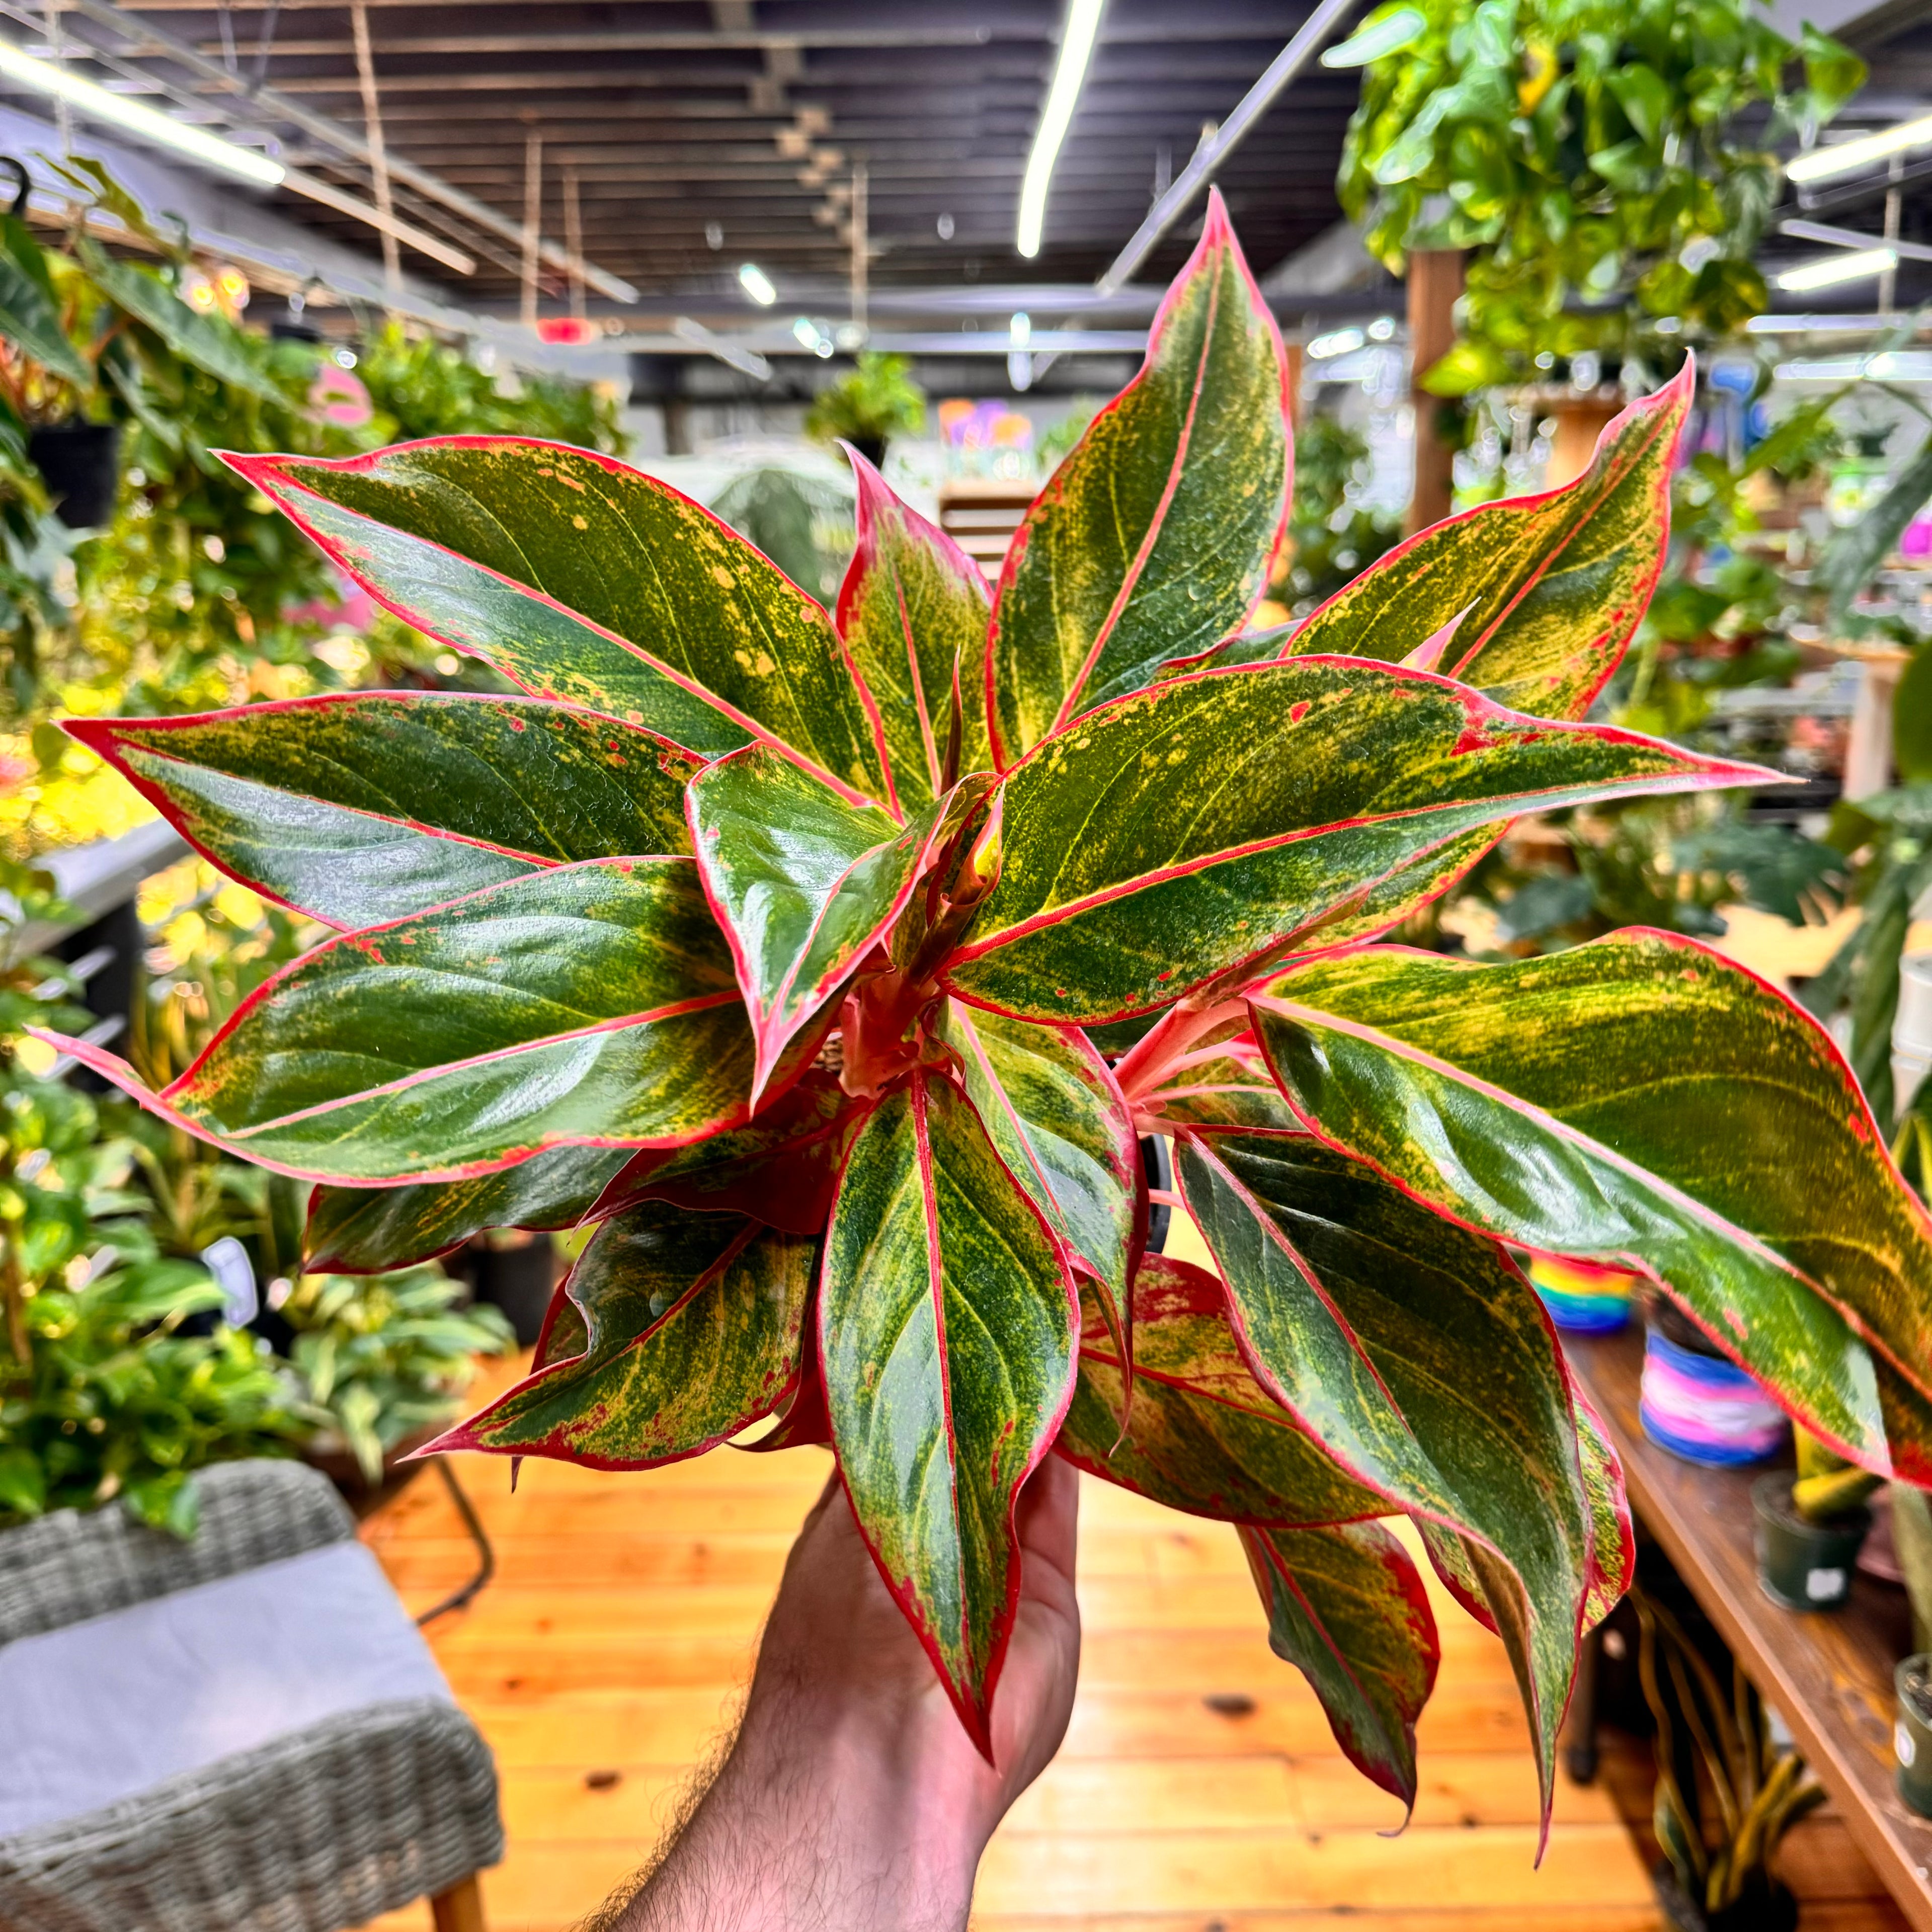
(877, 401)
(767, 943)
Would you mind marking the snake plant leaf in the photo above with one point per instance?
(371, 1230)
(1346, 1606)
(1612, 1535)
(913, 606)
(691, 1325)
(581, 578)
(803, 883)
(1202, 1435)
(781, 1168)
(1153, 539)
(1360, 1312)
(355, 809)
(1192, 829)
(1058, 1120)
(1637, 1101)
(947, 1329)
(590, 1004)
(1554, 585)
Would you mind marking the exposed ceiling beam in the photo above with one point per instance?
(268, 101)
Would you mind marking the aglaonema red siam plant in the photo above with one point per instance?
(794, 951)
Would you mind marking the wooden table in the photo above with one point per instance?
(1829, 1674)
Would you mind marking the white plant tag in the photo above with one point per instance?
(1821, 1586)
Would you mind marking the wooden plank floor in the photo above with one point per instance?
(1199, 1788)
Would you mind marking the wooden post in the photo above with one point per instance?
(1296, 360)
(1579, 421)
(379, 157)
(1435, 281)
(533, 223)
(460, 1908)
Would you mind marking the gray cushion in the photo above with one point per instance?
(100, 1711)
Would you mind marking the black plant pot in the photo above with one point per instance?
(1763, 1906)
(518, 1279)
(81, 462)
(1803, 1565)
(871, 448)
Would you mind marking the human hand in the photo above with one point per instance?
(852, 1796)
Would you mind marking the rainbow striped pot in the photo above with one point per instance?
(1704, 1409)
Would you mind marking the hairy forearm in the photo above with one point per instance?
(808, 1826)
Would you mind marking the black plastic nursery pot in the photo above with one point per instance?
(81, 464)
(1762, 1906)
(871, 448)
(1803, 1565)
(1912, 1740)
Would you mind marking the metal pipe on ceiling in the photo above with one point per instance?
(1308, 41)
(344, 140)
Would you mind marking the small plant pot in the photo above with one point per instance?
(1701, 1407)
(1803, 1565)
(871, 448)
(1763, 1906)
(517, 1276)
(81, 464)
(1911, 1739)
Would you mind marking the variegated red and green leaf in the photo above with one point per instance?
(592, 1004)
(803, 883)
(691, 1325)
(1190, 830)
(912, 611)
(1346, 1606)
(1057, 1119)
(1361, 1311)
(1153, 539)
(1644, 1102)
(1225, 1085)
(579, 577)
(948, 1327)
(1612, 1535)
(780, 1167)
(1203, 1435)
(1553, 585)
(370, 1230)
(355, 809)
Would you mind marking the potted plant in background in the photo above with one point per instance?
(1809, 1527)
(833, 908)
(877, 401)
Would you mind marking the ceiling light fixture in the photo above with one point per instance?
(756, 284)
(1851, 268)
(1069, 72)
(95, 103)
(1846, 158)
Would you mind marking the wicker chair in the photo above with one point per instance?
(313, 1830)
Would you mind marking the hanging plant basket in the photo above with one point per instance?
(81, 464)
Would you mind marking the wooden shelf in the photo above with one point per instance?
(1828, 1674)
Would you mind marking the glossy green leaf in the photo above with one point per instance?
(358, 809)
(1362, 1312)
(1058, 1121)
(948, 1327)
(1153, 539)
(581, 578)
(1553, 585)
(1193, 829)
(803, 883)
(370, 1230)
(590, 1004)
(1346, 1606)
(1203, 1435)
(913, 606)
(1642, 1101)
(692, 1326)
(781, 1167)
(197, 339)
(30, 323)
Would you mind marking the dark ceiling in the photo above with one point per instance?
(749, 115)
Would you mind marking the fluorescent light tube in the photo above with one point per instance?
(756, 284)
(1076, 50)
(1851, 268)
(1848, 156)
(119, 110)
